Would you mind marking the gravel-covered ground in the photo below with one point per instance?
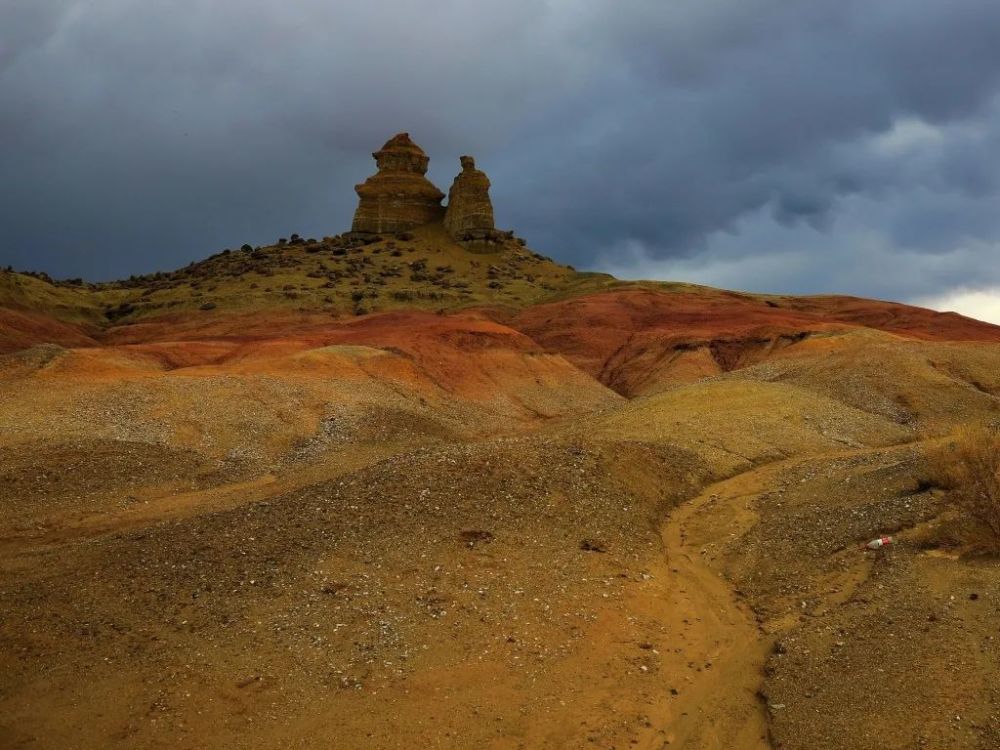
(473, 546)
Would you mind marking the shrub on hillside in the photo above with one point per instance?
(968, 467)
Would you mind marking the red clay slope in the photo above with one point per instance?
(20, 329)
(466, 355)
(634, 339)
(904, 320)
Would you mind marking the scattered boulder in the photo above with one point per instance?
(592, 545)
(472, 537)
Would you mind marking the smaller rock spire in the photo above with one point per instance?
(469, 215)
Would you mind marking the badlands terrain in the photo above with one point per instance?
(386, 492)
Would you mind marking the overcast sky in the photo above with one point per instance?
(811, 146)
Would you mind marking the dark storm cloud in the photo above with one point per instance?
(646, 136)
(722, 108)
(27, 24)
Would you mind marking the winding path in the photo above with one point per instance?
(720, 646)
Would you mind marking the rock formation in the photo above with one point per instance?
(398, 197)
(470, 213)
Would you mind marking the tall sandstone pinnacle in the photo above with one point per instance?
(470, 213)
(398, 197)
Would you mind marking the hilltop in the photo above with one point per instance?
(419, 269)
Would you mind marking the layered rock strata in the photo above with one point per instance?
(398, 197)
(470, 212)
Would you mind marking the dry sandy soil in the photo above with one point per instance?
(623, 519)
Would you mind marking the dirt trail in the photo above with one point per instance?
(720, 707)
(722, 647)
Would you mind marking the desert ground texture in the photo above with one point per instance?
(393, 494)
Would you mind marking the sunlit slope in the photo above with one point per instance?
(920, 384)
(735, 424)
(450, 375)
